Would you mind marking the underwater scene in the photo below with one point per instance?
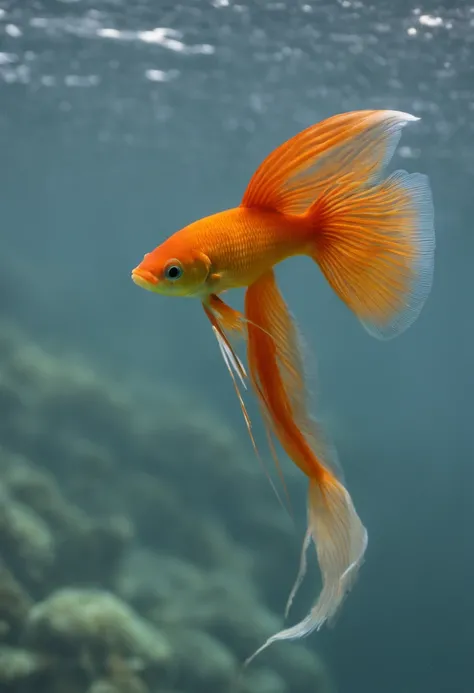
(303, 170)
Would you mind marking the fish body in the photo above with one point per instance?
(232, 249)
(321, 194)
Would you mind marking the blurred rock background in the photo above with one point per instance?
(120, 570)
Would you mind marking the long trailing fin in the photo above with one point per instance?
(301, 571)
(237, 371)
(271, 446)
(276, 372)
(341, 540)
(232, 320)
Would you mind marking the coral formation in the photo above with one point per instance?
(125, 568)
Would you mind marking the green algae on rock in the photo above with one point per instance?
(95, 619)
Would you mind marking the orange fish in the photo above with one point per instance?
(321, 194)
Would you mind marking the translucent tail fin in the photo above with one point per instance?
(340, 539)
(375, 245)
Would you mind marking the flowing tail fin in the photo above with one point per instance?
(276, 372)
(373, 238)
(375, 246)
(340, 540)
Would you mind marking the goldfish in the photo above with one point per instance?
(322, 194)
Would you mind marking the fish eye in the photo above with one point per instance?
(173, 270)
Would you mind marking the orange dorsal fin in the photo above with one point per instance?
(355, 145)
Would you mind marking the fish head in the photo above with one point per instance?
(173, 269)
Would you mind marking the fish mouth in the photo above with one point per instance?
(144, 279)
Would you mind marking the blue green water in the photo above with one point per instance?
(121, 121)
